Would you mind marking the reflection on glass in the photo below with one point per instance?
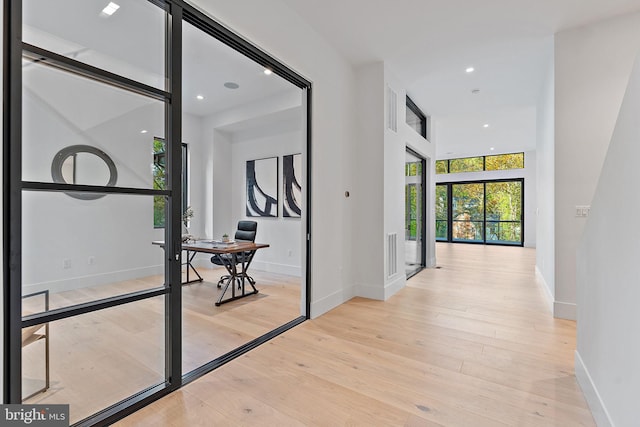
(442, 203)
(114, 257)
(102, 117)
(468, 212)
(100, 358)
(83, 32)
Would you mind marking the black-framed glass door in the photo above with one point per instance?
(92, 310)
(415, 230)
(488, 212)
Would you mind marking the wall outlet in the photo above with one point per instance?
(582, 211)
(66, 263)
(91, 260)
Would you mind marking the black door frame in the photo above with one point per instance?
(449, 185)
(13, 186)
(423, 224)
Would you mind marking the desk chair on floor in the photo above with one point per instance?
(246, 232)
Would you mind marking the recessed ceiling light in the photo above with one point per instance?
(470, 70)
(268, 71)
(110, 9)
(200, 97)
(486, 125)
(492, 148)
(143, 131)
(231, 85)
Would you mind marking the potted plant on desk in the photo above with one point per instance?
(225, 238)
(186, 216)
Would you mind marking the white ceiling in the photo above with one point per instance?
(428, 44)
(118, 44)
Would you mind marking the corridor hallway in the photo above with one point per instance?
(472, 343)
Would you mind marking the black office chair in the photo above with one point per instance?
(246, 232)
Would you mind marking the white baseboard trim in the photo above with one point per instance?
(545, 287)
(564, 310)
(94, 280)
(323, 305)
(391, 288)
(598, 409)
(370, 291)
(270, 267)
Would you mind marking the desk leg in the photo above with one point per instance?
(234, 276)
(190, 256)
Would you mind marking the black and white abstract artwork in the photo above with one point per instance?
(262, 187)
(292, 191)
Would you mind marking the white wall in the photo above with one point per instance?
(381, 156)
(530, 185)
(368, 180)
(52, 221)
(271, 25)
(118, 229)
(395, 147)
(284, 254)
(608, 293)
(545, 180)
(592, 67)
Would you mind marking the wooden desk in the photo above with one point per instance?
(240, 253)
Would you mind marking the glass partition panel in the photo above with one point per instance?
(125, 37)
(85, 250)
(468, 212)
(95, 360)
(101, 136)
(252, 115)
(504, 212)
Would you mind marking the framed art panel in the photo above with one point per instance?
(262, 187)
(292, 189)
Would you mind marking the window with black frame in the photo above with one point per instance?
(489, 212)
(415, 118)
(480, 163)
(159, 181)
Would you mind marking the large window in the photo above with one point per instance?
(416, 119)
(480, 212)
(480, 163)
(442, 209)
(159, 181)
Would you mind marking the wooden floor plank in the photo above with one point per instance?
(469, 344)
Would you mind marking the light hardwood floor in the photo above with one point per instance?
(103, 357)
(472, 343)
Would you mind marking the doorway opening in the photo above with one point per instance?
(415, 224)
